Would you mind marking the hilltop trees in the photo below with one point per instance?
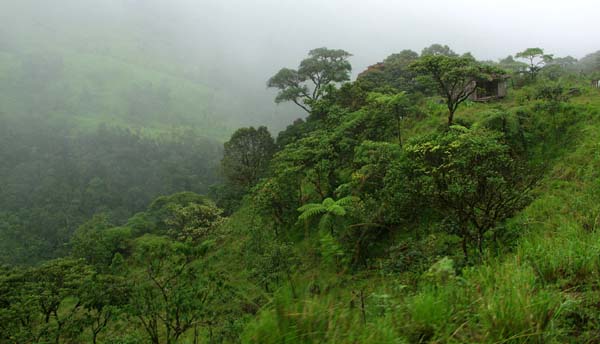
(313, 79)
(455, 77)
(437, 50)
(590, 63)
(393, 72)
(510, 64)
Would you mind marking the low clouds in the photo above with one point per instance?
(239, 44)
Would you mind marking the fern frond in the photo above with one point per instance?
(310, 210)
(348, 200)
(336, 210)
(328, 202)
(310, 206)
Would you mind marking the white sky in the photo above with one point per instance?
(268, 34)
(373, 29)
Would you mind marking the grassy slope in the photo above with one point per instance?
(546, 289)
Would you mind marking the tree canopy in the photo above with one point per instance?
(246, 156)
(456, 77)
(536, 59)
(313, 79)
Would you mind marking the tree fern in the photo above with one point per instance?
(329, 210)
(311, 210)
(346, 201)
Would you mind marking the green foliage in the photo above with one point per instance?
(551, 93)
(274, 262)
(97, 241)
(472, 178)
(510, 64)
(170, 294)
(392, 109)
(322, 69)
(43, 304)
(437, 50)
(394, 72)
(54, 181)
(329, 211)
(194, 222)
(399, 201)
(441, 272)
(332, 253)
(535, 58)
(455, 77)
(246, 158)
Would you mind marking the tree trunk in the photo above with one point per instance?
(464, 246)
(362, 307)
(450, 116)
(398, 129)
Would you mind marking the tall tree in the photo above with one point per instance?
(536, 59)
(247, 155)
(313, 79)
(456, 77)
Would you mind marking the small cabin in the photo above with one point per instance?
(488, 90)
(596, 83)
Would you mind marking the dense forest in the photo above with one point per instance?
(163, 180)
(53, 180)
(413, 204)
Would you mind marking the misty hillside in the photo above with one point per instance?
(316, 171)
(123, 63)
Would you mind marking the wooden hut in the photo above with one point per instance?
(488, 90)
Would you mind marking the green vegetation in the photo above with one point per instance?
(455, 77)
(322, 69)
(389, 215)
(53, 180)
(536, 59)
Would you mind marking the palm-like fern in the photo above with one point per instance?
(329, 209)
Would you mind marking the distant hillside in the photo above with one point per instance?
(114, 62)
(92, 89)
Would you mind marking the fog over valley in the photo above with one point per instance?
(227, 49)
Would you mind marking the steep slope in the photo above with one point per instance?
(542, 287)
